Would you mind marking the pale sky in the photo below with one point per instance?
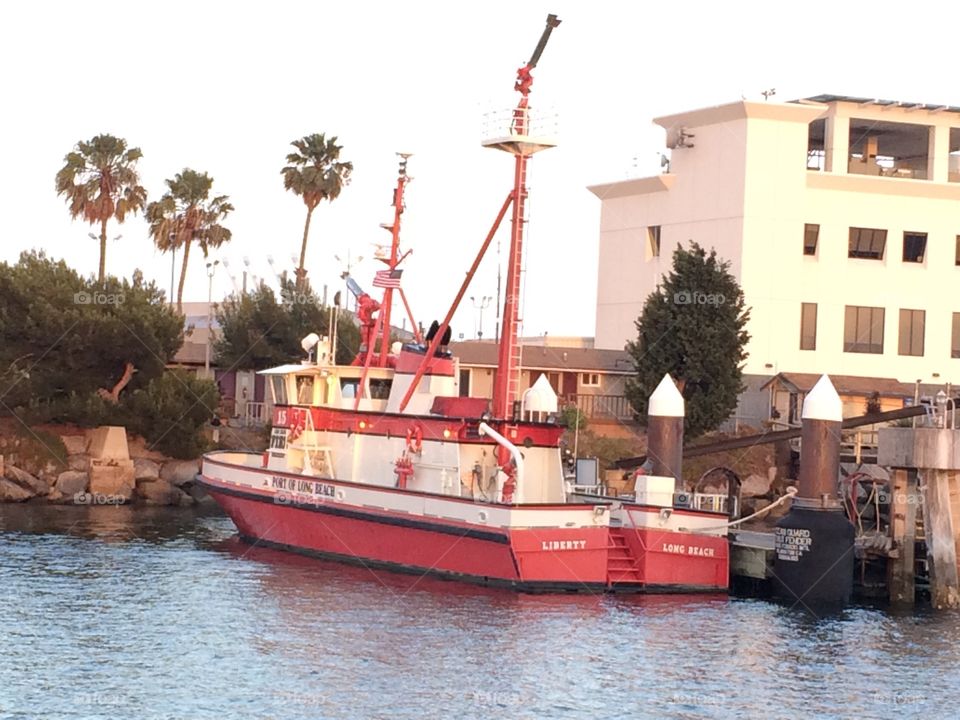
(224, 87)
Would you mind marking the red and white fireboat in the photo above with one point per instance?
(383, 463)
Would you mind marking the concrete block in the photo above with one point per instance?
(109, 442)
(116, 481)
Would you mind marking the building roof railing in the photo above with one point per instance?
(881, 103)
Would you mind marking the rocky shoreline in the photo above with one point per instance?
(102, 466)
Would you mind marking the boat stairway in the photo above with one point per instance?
(621, 564)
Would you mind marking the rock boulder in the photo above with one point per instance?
(180, 472)
(34, 485)
(158, 492)
(80, 463)
(144, 469)
(12, 492)
(71, 482)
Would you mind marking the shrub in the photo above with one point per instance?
(171, 412)
(85, 410)
(32, 450)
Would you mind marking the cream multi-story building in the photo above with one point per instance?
(839, 216)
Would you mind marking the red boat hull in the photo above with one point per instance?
(526, 559)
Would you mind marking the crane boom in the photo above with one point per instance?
(552, 22)
(524, 77)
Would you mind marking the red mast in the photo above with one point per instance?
(519, 140)
(393, 282)
(522, 145)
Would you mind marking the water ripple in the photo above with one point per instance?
(109, 613)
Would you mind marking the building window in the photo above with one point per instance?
(808, 326)
(888, 149)
(867, 243)
(914, 246)
(810, 235)
(863, 330)
(911, 332)
(956, 255)
(793, 409)
(653, 240)
(955, 337)
(590, 379)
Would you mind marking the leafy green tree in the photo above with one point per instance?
(99, 181)
(692, 327)
(315, 173)
(258, 330)
(186, 214)
(172, 411)
(62, 334)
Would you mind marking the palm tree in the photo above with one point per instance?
(186, 213)
(99, 180)
(314, 173)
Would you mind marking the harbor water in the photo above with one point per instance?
(160, 614)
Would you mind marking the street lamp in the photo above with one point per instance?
(481, 305)
(211, 269)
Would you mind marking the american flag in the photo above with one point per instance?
(387, 278)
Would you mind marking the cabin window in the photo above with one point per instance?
(279, 385)
(464, 383)
(380, 388)
(349, 387)
(305, 389)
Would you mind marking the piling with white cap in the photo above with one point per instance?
(665, 414)
(820, 445)
(813, 565)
